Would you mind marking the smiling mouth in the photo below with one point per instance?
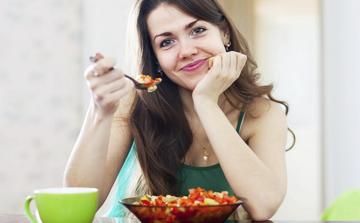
(194, 66)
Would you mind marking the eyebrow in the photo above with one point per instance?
(191, 24)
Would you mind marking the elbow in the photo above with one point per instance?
(262, 212)
(263, 208)
(261, 215)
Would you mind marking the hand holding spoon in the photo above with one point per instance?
(141, 82)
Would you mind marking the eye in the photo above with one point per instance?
(198, 30)
(166, 43)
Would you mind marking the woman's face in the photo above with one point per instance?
(182, 44)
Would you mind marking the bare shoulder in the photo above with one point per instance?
(263, 114)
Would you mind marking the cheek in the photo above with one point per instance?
(167, 62)
(218, 48)
(211, 46)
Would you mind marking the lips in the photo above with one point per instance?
(194, 65)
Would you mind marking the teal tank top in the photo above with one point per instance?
(209, 177)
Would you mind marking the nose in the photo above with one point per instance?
(187, 49)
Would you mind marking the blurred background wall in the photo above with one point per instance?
(40, 94)
(341, 77)
(307, 48)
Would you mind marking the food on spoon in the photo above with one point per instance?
(148, 82)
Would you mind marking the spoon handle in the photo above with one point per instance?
(136, 83)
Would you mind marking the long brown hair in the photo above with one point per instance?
(159, 125)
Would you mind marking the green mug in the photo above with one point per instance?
(67, 204)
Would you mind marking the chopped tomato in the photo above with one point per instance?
(197, 197)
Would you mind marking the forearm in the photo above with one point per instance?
(249, 177)
(86, 165)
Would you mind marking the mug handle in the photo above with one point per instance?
(27, 210)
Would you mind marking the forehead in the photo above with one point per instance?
(167, 18)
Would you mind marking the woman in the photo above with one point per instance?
(209, 124)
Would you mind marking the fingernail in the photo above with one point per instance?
(210, 62)
(92, 59)
(95, 58)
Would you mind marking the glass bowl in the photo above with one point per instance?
(184, 214)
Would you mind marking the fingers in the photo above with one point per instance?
(241, 61)
(216, 64)
(226, 64)
(110, 76)
(111, 87)
(116, 95)
(108, 82)
(229, 63)
(233, 63)
(122, 91)
(101, 67)
(225, 70)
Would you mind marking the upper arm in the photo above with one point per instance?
(268, 140)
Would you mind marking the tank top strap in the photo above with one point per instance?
(240, 121)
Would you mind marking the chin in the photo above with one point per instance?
(190, 86)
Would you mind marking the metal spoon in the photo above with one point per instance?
(138, 85)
